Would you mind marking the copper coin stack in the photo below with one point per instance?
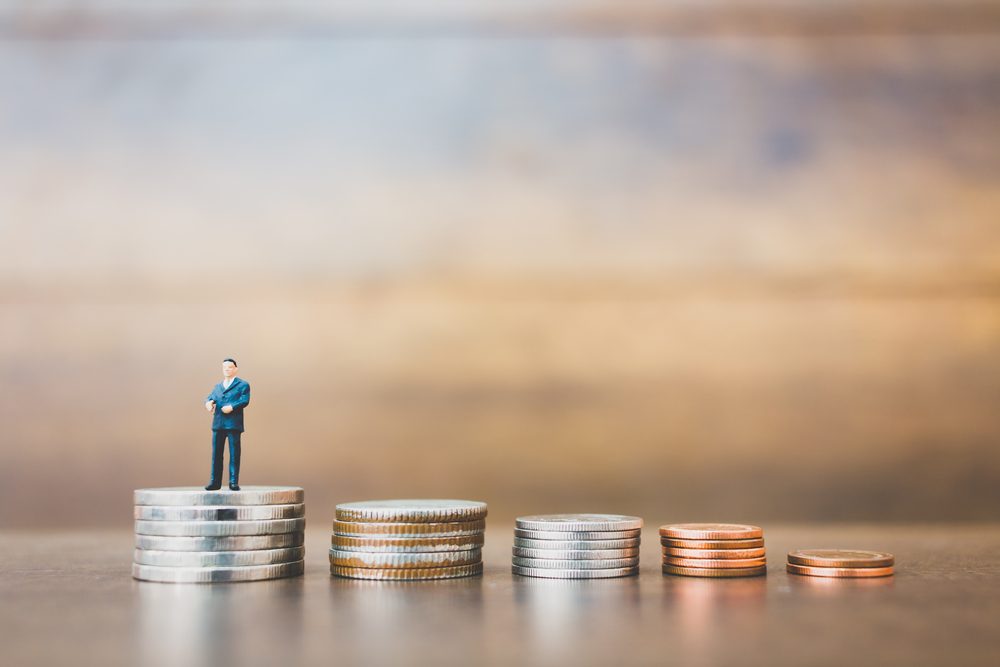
(713, 550)
(840, 563)
(408, 540)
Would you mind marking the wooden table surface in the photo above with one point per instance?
(67, 597)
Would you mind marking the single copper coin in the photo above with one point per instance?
(389, 544)
(840, 558)
(839, 572)
(711, 531)
(715, 563)
(676, 543)
(413, 529)
(714, 573)
(389, 574)
(714, 553)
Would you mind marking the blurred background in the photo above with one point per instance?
(687, 260)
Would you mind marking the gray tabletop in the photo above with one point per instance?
(68, 597)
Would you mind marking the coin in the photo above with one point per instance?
(711, 531)
(714, 573)
(407, 545)
(575, 545)
(218, 558)
(845, 572)
(407, 575)
(218, 512)
(204, 575)
(412, 529)
(577, 535)
(717, 563)
(411, 510)
(840, 558)
(366, 559)
(232, 543)
(714, 553)
(548, 573)
(219, 528)
(554, 564)
(196, 495)
(712, 544)
(579, 522)
(584, 554)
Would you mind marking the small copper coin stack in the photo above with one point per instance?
(408, 540)
(713, 550)
(840, 563)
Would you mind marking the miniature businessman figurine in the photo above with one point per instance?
(226, 403)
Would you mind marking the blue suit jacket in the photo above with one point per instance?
(238, 396)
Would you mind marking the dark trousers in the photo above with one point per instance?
(218, 448)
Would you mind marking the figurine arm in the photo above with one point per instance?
(243, 400)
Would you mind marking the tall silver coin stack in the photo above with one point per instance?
(190, 535)
(408, 540)
(577, 546)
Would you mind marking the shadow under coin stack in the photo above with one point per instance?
(840, 563)
(408, 540)
(576, 546)
(713, 550)
(190, 535)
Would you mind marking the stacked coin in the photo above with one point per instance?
(190, 535)
(405, 540)
(713, 550)
(577, 546)
(840, 563)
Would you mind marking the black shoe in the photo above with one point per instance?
(234, 487)
(213, 486)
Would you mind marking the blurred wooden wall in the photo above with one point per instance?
(687, 260)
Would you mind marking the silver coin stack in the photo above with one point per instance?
(408, 540)
(577, 546)
(190, 535)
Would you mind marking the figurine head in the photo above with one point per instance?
(228, 367)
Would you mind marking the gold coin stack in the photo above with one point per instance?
(408, 540)
(713, 550)
(840, 563)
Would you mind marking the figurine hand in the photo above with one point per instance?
(210, 406)
(226, 409)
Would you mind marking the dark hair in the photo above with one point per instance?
(232, 360)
